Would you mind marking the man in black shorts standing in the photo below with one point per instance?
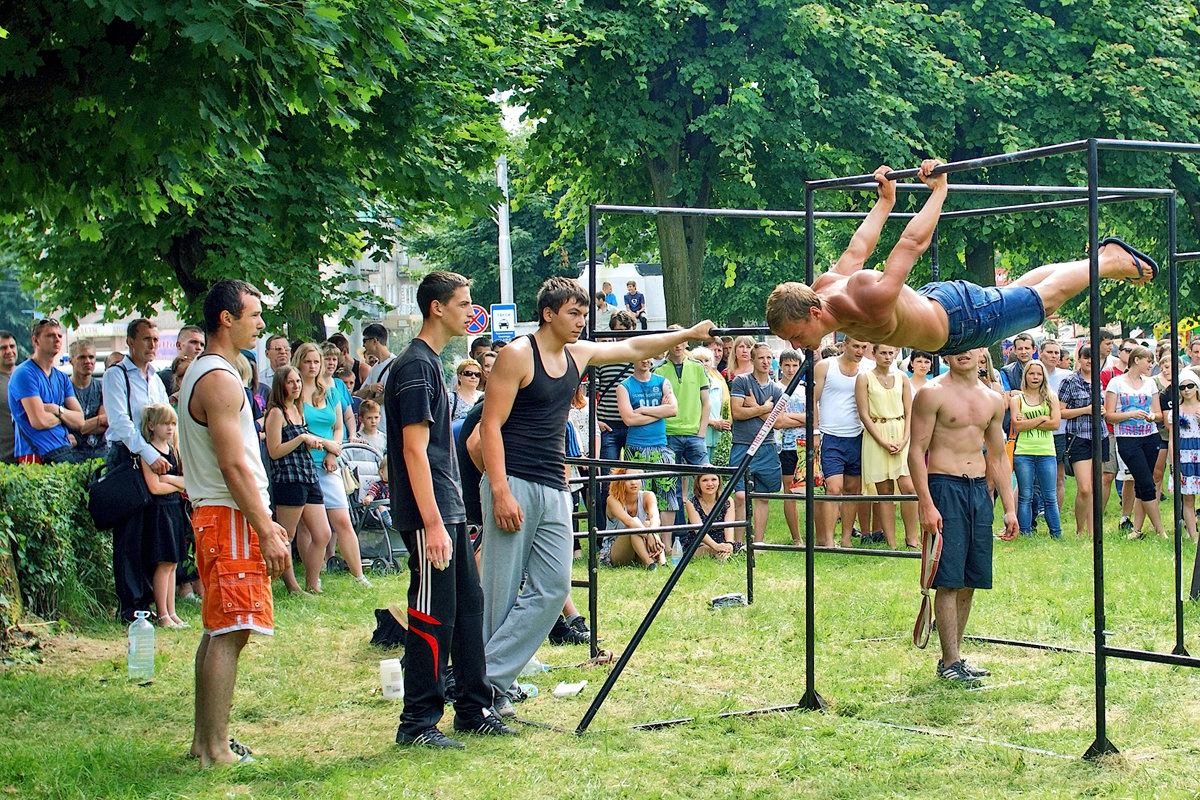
(954, 418)
(445, 602)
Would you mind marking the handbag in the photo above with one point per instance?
(116, 492)
(349, 479)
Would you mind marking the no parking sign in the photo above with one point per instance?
(479, 320)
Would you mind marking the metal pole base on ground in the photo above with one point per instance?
(812, 701)
(1099, 748)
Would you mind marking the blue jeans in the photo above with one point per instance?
(688, 450)
(611, 444)
(1045, 470)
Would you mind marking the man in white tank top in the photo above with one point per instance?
(841, 437)
(238, 547)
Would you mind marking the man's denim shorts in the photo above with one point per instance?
(983, 315)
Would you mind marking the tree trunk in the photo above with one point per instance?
(681, 242)
(10, 590)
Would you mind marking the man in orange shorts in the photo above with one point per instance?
(238, 547)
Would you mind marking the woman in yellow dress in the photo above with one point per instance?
(885, 406)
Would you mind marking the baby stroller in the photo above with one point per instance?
(371, 515)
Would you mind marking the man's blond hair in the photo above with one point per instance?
(790, 302)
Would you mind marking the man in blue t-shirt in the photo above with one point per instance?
(635, 303)
(41, 400)
(646, 401)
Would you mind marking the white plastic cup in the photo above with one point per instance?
(391, 677)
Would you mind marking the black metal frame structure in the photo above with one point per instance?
(1092, 197)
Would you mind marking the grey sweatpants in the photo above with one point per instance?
(515, 625)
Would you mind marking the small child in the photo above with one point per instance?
(699, 508)
(164, 522)
(1188, 414)
(369, 415)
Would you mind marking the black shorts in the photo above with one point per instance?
(1060, 448)
(1080, 449)
(295, 495)
(787, 462)
(966, 508)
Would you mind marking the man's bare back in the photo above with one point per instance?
(914, 321)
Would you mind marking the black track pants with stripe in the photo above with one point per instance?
(445, 619)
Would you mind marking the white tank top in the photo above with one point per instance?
(836, 409)
(201, 474)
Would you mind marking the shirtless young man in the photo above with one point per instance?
(954, 417)
(946, 317)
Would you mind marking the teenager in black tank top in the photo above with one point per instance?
(534, 440)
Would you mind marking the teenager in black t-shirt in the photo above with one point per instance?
(445, 603)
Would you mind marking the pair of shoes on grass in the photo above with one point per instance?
(485, 725)
(573, 632)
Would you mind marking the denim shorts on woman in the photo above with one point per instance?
(983, 315)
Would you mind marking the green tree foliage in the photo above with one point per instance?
(161, 146)
(734, 104)
(470, 248)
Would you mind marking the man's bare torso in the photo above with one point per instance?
(912, 321)
(965, 410)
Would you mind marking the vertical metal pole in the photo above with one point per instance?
(811, 700)
(749, 537)
(1176, 480)
(1101, 745)
(593, 483)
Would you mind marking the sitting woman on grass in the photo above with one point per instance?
(630, 508)
(702, 506)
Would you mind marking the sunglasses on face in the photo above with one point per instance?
(1188, 386)
(468, 374)
(1126, 350)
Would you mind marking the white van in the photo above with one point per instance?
(648, 278)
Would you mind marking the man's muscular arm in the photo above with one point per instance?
(862, 244)
(881, 293)
(513, 366)
(998, 469)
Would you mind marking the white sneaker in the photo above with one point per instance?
(361, 580)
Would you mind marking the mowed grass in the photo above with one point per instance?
(308, 699)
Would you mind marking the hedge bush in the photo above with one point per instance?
(63, 563)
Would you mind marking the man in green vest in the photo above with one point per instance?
(685, 431)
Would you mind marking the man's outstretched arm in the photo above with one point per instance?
(915, 240)
(862, 244)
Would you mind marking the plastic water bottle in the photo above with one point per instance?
(391, 676)
(676, 552)
(534, 667)
(141, 647)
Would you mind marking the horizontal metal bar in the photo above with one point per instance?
(1147, 146)
(1150, 655)
(611, 463)
(1057, 648)
(846, 551)
(737, 523)
(701, 212)
(882, 498)
(747, 331)
(1047, 204)
(1191, 256)
(1000, 188)
(958, 166)
(667, 723)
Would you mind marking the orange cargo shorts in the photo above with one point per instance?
(237, 591)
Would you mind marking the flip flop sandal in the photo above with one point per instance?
(1138, 258)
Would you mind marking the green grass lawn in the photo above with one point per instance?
(308, 699)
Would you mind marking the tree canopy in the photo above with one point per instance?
(158, 146)
(734, 104)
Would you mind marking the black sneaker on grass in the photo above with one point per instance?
(956, 673)
(1125, 525)
(563, 633)
(430, 737)
(971, 669)
(485, 725)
